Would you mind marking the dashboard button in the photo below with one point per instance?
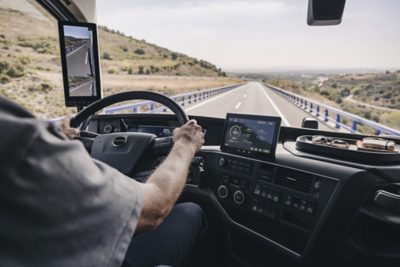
(257, 191)
(107, 128)
(238, 197)
(223, 191)
(222, 161)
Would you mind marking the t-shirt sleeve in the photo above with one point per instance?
(62, 208)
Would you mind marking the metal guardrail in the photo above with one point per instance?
(324, 113)
(152, 107)
(182, 99)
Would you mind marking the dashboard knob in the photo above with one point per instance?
(238, 197)
(221, 161)
(223, 191)
(107, 128)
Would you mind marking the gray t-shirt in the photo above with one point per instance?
(58, 206)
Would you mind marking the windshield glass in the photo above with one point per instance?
(339, 73)
(214, 57)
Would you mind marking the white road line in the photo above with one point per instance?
(76, 50)
(238, 105)
(211, 99)
(79, 86)
(245, 96)
(285, 121)
(87, 57)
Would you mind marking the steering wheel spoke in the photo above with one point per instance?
(162, 145)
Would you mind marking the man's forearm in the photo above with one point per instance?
(171, 175)
(165, 185)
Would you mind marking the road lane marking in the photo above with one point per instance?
(79, 86)
(76, 50)
(87, 57)
(238, 105)
(212, 99)
(285, 121)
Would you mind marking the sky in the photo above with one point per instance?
(77, 32)
(262, 35)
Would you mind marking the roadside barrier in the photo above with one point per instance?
(152, 107)
(332, 116)
(183, 99)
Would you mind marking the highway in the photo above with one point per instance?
(252, 98)
(78, 62)
(86, 89)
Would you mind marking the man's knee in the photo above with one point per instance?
(193, 213)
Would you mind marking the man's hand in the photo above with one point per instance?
(66, 128)
(189, 134)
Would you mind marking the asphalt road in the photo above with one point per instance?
(78, 61)
(85, 89)
(252, 98)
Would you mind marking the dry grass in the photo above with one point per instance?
(29, 47)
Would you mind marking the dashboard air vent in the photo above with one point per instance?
(294, 180)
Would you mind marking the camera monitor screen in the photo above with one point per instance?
(80, 63)
(251, 135)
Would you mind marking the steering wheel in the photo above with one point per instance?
(123, 150)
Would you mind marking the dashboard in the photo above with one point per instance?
(264, 189)
(127, 125)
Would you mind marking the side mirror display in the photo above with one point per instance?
(80, 63)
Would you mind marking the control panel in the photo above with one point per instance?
(270, 195)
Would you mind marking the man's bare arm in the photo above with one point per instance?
(164, 186)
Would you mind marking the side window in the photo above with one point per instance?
(30, 69)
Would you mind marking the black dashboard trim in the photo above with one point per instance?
(211, 197)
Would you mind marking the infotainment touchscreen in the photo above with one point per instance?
(251, 135)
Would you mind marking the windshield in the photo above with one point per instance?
(353, 67)
(215, 57)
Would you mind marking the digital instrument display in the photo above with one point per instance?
(251, 135)
(80, 63)
(159, 131)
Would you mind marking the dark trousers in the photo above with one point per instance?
(172, 243)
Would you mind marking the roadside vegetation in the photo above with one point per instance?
(374, 96)
(30, 69)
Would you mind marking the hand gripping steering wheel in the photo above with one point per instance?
(123, 150)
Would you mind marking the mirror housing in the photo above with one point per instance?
(325, 12)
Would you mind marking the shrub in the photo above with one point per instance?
(124, 48)
(107, 56)
(112, 70)
(15, 71)
(174, 56)
(25, 60)
(324, 93)
(43, 87)
(4, 79)
(141, 70)
(139, 51)
(130, 70)
(147, 71)
(367, 115)
(3, 65)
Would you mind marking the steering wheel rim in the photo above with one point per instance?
(126, 96)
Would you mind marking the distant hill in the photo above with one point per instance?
(121, 53)
(30, 69)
